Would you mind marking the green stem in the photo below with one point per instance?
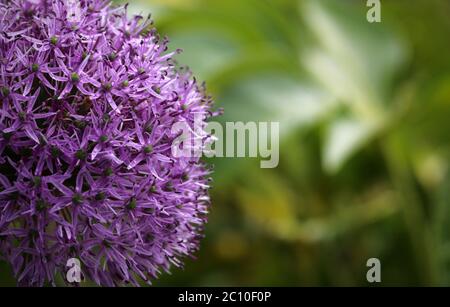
(419, 230)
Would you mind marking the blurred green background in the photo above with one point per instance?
(364, 111)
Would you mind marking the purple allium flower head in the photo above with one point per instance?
(88, 97)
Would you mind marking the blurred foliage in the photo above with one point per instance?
(365, 136)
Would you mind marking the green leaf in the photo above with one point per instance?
(342, 138)
(355, 61)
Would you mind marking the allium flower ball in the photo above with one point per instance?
(88, 99)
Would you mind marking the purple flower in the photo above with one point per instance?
(87, 101)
